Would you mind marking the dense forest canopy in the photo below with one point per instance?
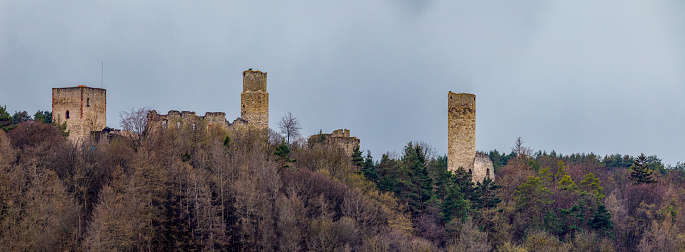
(245, 189)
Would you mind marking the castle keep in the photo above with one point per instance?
(461, 137)
(84, 109)
(254, 100)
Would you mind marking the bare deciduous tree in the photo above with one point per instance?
(520, 149)
(289, 126)
(134, 122)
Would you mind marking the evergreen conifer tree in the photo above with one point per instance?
(601, 222)
(640, 172)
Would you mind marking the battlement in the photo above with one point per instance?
(254, 81)
(462, 103)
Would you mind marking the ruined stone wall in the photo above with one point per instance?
(340, 133)
(254, 100)
(216, 119)
(87, 109)
(461, 131)
(176, 119)
(338, 139)
(482, 167)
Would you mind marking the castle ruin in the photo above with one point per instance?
(338, 139)
(461, 137)
(84, 109)
(254, 109)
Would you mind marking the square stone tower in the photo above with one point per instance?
(461, 131)
(254, 100)
(83, 108)
(461, 137)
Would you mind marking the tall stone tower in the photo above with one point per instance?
(83, 108)
(254, 100)
(461, 131)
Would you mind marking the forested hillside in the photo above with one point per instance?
(248, 190)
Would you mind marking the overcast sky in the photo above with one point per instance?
(571, 76)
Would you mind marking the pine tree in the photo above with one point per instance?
(552, 223)
(591, 186)
(484, 194)
(388, 175)
(640, 173)
(6, 120)
(369, 168)
(357, 159)
(420, 184)
(282, 151)
(532, 199)
(601, 222)
(566, 184)
(575, 216)
(462, 179)
(454, 206)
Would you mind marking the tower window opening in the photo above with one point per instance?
(488, 172)
(87, 102)
(193, 126)
(164, 124)
(178, 125)
(67, 114)
(470, 172)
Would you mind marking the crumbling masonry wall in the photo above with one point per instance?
(483, 167)
(254, 100)
(176, 119)
(86, 108)
(337, 139)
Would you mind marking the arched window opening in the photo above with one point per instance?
(488, 172)
(164, 124)
(87, 102)
(67, 114)
(470, 172)
(178, 125)
(193, 126)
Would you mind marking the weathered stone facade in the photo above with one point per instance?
(461, 136)
(482, 167)
(176, 119)
(83, 108)
(254, 100)
(339, 139)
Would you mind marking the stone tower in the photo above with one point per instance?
(83, 108)
(461, 131)
(254, 100)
